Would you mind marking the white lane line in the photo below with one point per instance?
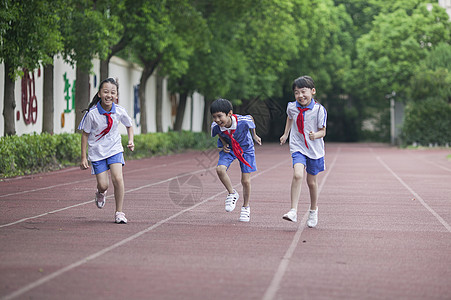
(68, 169)
(84, 180)
(417, 197)
(44, 214)
(44, 188)
(278, 276)
(437, 165)
(110, 196)
(85, 260)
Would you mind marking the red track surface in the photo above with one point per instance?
(384, 231)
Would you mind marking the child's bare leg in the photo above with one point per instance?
(296, 183)
(221, 170)
(313, 188)
(102, 181)
(246, 182)
(118, 183)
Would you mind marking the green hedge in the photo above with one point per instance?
(35, 153)
(427, 122)
(159, 143)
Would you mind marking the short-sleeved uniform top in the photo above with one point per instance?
(242, 134)
(94, 122)
(314, 119)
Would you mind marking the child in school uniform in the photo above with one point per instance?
(306, 127)
(236, 141)
(100, 133)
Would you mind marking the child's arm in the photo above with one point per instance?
(84, 144)
(286, 133)
(317, 135)
(130, 133)
(254, 133)
(225, 145)
(256, 137)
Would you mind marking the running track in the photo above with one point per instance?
(384, 231)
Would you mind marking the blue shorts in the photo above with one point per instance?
(226, 159)
(313, 166)
(103, 165)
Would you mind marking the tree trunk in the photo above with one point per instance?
(81, 94)
(149, 67)
(104, 68)
(180, 112)
(9, 102)
(206, 125)
(48, 105)
(159, 104)
(105, 64)
(146, 73)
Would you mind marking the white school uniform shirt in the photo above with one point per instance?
(94, 122)
(314, 119)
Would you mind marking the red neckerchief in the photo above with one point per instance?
(236, 148)
(109, 121)
(300, 123)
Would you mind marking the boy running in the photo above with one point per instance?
(237, 143)
(307, 122)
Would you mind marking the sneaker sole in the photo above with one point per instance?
(288, 219)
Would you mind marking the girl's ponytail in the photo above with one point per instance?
(94, 101)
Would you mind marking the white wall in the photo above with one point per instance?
(128, 76)
(194, 112)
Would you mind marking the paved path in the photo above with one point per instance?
(384, 231)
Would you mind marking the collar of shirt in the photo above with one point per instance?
(233, 127)
(310, 106)
(102, 111)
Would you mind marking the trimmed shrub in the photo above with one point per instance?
(427, 122)
(35, 153)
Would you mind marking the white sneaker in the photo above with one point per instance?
(312, 218)
(120, 218)
(291, 215)
(100, 199)
(245, 215)
(231, 200)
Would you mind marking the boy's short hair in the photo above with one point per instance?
(303, 82)
(221, 105)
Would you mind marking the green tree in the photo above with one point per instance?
(427, 123)
(325, 50)
(269, 41)
(29, 32)
(123, 11)
(98, 30)
(216, 68)
(48, 101)
(251, 42)
(388, 54)
(189, 33)
(432, 78)
(363, 12)
(164, 44)
(147, 46)
(194, 28)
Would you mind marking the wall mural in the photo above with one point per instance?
(29, 99)
(69, 97)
